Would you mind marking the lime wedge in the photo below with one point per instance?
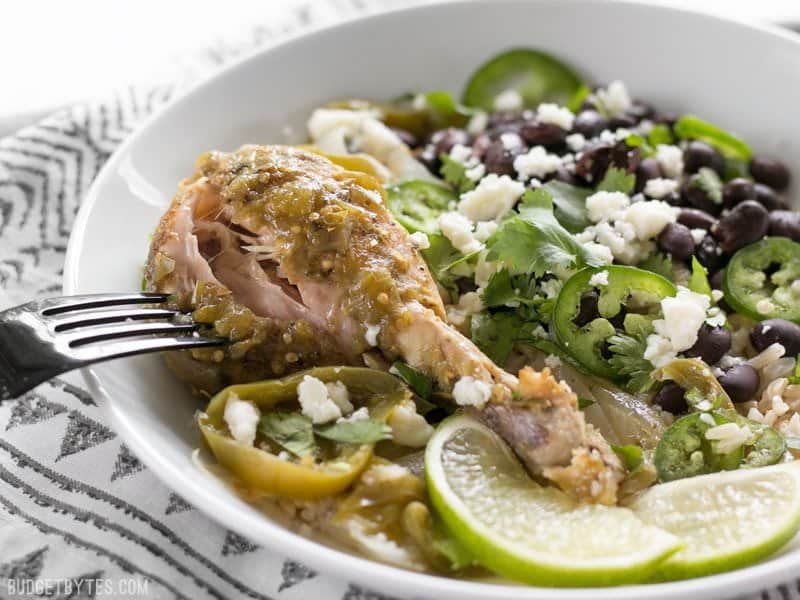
(726, 520)
(527, 532)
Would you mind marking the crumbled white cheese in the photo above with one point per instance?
(551, 287)
(484, 269)
(602, 254)
(791, 428)
(420, 102)
(729, 437)
(607, 137)
(477, 123)
(468, 304)
(576, 142)
(510, 140)
(614, 98)
(599, 279)
(420, 240)
(606, 206)
(555, 115)
(475, 173)
(339, 131)
(469, 391)
(460, 153)
(698, 234)
(458, 229)
(537, 162)
(508, 100)
(493, 197)
(242, 418)
(650, 218)
(371, 334)
(340, 396)
(552, 361)
(684, 314)
(409, 428)
(484, 230)
(359, 415)
(660, 187)
(314, 401)
(670, 159)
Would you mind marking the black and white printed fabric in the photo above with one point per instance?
(80, 516)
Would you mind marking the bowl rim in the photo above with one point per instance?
(340, 564)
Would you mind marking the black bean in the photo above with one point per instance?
(428, 157)
(674, 199)
(481, 145)
(442, 141)
(700, 154)
(408, 138)
(499, 159)
(785, 223)
(696, 195)
(677, 240)
(770, 171)
(741, 382)
(648, 169)
(625, 157)
(710, 254)
(711, 345)
(503, 117)
(542, 134)
(737, 190)
(767, 196)
(780, 331)
(665, 118)
(716, 279)
(640, 110)
(618, 320)
(671, 398)
(590, 123)
(588, 309)
(744, 224)
(695, 218)
(593, 161)
(622, 121)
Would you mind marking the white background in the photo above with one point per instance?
(53, 52)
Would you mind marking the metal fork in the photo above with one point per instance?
(42, 339)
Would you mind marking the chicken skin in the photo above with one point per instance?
(298, 262)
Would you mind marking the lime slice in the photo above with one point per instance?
(726, 520)
(527, 532)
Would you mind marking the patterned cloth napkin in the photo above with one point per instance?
(80, 516)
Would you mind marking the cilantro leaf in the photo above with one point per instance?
(659, 263)
(362, 431)
(570, 204)
(584, 403)
(291, 431)
(455, 173)
(496, 333)
(627, 359)
(440, 257)
(698, 282)
(794, 378)
(630, 454)
(635, 140)
(574, 103)
(708, 181)
(534, 241)
(416, 380)
(617, 180)
(504, 290)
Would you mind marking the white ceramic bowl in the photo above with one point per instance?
(742, 77)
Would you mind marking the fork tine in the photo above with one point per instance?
(54, 306)
(70, 320)
(97, 334)
(130, 347)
